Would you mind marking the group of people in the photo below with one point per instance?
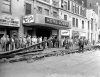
(8, 44)
(77, 42)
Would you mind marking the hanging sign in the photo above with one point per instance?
(28, 19)
(65, 32)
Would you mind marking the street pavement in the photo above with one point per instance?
(85, 64)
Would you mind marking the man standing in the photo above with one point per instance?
(20, 41)
(81, 44)
(7, 43)
(3, 43)
(24, 41)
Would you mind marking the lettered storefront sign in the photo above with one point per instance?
(9, 21)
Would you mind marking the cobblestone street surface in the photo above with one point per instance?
(85, 64)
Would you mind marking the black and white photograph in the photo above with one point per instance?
(49, 38)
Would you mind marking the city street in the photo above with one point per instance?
(85, 64)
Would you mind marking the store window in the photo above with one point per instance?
(65, 17)
(39, 9)
(47, 12)
(83, 24)
(76, 22)
(28, 8)
(73, 21)
(6, 5)
(55, 14)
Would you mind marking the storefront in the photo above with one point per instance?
(9, 25)
(75, 34)
(44, 26)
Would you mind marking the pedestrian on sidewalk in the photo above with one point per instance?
(7, 43)
(93, 42)
(50, 43)
(24, 42)
(20, 42)
(3, 43)
(67, 43)
(81, 44)
(12, 43)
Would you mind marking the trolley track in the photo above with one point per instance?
(30, 53)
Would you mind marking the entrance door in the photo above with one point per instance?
(29, 32)
(43, 32)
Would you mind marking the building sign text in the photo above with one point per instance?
(65, 32)
(9, 21)
(56, 22)
(28, 19)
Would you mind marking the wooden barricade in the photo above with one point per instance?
(22, 50)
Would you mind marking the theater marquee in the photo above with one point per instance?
(56, 22)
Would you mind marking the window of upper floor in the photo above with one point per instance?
(91, 23)
(6, 6)
(69, 5)
(73, 21)
(28, 8)
(64, 5)
(55, 14)
(82, 11)
(88, 25)
(39, 9)
(96, 27)
(82, 3)
(73, 8)
(76, 22)
(65, 17)
(82, 24)
(47, 12)
(55, 3)
(78, 10)
(90, 5)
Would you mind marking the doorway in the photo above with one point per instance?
(44, 32)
